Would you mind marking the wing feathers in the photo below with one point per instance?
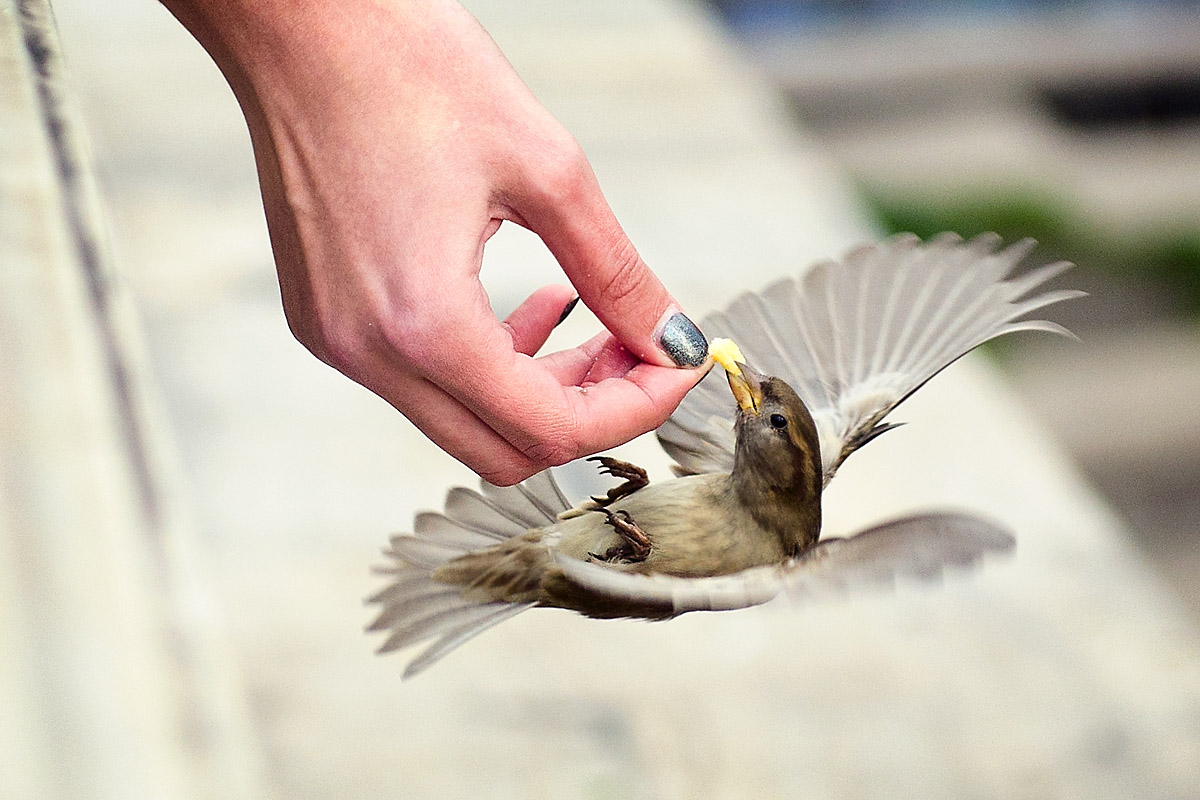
(1039, 325)
(855, 338)
(677, 595)
(920, 547)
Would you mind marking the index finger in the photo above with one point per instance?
(570, 214)
(527, 403)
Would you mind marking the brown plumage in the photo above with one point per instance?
(766, 510)
(848, 343)
(776, 473)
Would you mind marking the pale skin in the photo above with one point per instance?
(392, 139)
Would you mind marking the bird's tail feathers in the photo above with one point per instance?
(416, 607)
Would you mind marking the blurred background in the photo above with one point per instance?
(215, 648)
(1074, 122)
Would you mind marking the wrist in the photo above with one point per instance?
(317, 50)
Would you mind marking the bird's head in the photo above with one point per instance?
(777, 459)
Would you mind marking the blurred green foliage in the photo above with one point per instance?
(1169, 256)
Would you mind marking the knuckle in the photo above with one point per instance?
(327, 336)
(413, 335)
(628, 277)
(565, 172)
(553, 450)
(352, 339)
(398, 332)
(504, 474)
(342, 349)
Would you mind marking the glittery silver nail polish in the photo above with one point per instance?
(683, 341)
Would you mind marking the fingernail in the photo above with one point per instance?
(566, 312)
(683, 341)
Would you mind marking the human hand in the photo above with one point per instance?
(392, 140)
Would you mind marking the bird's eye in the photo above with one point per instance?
(778, 421)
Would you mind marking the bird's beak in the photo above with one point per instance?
(746, 388)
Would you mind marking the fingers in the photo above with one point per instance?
(538, 406)
(379, 240)
(616, 409)
(563, 204)
(599, 358)
(532, 321)
(457, 430)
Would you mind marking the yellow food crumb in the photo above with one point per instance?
(727, 354)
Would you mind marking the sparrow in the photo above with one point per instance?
(835, 351)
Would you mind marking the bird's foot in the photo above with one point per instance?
(635, 544)
(634, 476)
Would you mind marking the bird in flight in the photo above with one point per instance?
(832, 353)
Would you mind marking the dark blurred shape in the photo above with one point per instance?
(750, 17)
(1105, 102)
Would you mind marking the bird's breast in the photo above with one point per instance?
(696, 527)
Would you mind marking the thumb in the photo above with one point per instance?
(572, 217)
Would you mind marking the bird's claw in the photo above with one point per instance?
(634, 478)
(635, 544)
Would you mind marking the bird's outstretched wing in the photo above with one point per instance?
(856, 337)
(919, 547)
